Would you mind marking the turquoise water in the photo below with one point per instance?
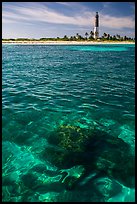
(47, 87)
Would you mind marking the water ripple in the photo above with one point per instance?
(46, 86)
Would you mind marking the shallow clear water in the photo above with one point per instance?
(44, 87)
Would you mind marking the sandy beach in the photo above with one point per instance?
(66, 42)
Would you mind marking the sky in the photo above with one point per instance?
(56, 19)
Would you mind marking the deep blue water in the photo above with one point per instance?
(44, 87)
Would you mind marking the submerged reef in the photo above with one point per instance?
(90, 150)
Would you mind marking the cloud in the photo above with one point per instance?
(116, 22)
(64, 3)
(44, 14)
(38, 12)
(5, 20)
(107, 4)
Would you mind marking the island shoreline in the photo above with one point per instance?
(65, 42)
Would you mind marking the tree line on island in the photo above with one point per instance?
(78, 37)
(90, 36)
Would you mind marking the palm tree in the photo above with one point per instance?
(117, 36)
(108, 37)
(65, 37)
(91, 35)
(77, 34)
(80, 37)
(86, 34)
(74, 37)
(125, 37)
(58, 38)
(105, 35)
(71, 38)
(114, 37)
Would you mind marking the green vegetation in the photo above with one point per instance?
(108, 37)
(88, 37)
(71, 142)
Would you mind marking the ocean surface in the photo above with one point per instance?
(47, 89)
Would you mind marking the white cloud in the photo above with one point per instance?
(116, 22)
(107, 4)
(5, 20)
(44, 14)
(41, 13)
(64, 3)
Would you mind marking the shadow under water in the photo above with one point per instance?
(89, 150)
(74, 164)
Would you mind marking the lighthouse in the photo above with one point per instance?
(96, 26)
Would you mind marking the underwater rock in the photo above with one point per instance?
(75, 171)
(29, 180)
(117, 164)
(92, 148)
(70, 182)
(72, 175)
(69, 145)
(107, 187)
(48, 197)
(70, 138)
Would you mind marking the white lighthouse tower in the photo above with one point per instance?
(96, 26)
